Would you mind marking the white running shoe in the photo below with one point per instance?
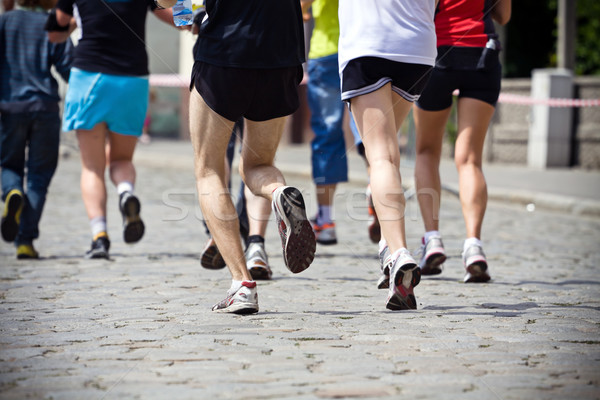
(243, 300)
(433, 256)
(385, 263)
(297, 237)
(257, 262)
(475, 265)
(404, 276)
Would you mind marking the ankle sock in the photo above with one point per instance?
(98, 225)
(124, 186)
(324, 216)
(472, 241)
(255, 239)
(428, 235)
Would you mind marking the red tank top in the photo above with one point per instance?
(464, 23)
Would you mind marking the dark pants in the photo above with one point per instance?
(29, 143)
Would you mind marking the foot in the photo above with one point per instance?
(374, 227)
(385, 263)
(11, 217)
(211, 257)
(257, 262)
(404, 276)
(99, 249)
(27, 252)
(475, 265)
(133, 226)
(324, 233)
(433, 256)
(241, 300)
(297, 237)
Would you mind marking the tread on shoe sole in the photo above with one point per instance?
(133, 228)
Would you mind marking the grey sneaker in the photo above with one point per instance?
(244, 300)
(297, 237)
(257, 262)
(404, 276)
(432, 256)
(385, 262)
(475, 265)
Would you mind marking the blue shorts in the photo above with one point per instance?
(93, 97)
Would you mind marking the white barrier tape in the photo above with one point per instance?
(169, 80)
(175, 80)
(525, 100)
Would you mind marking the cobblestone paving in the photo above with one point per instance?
(139, 326)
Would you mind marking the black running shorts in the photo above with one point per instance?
(482, 85)
(255, 94)
(367, 74)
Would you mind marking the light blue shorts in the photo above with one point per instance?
(93, 97)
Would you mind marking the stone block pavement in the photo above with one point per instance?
(140, 327)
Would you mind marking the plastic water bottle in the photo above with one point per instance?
(182, 13)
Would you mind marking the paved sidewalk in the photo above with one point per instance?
(140, 325)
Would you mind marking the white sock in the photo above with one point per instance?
(98, 225)
(430, 234)
(125, 187)
(324, 216)
(472, 241)
(235, 285)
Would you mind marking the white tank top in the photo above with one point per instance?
(397, 30)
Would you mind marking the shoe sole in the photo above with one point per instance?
(477, 273)
(11, 219)
(97, 256)
(326, 242)
(133, 227)
(383, 282)
(375, 231)
(300, 244)
(403, 298)
(374, 227)
(239, 308)
(260, 273)
(212, 259)
(433, 264)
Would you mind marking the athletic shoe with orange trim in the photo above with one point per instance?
(325, 233)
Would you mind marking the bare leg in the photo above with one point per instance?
(474, 117)
(120, 158)
(430, 127)
(210, 134)
(93, 164)
(259, 210)
(325, 194)
(378, 115)
(258, 152)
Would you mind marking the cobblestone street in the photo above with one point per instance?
(141, 326)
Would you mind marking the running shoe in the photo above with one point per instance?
(404, 276)
(211, 257)
(133, 227)
(432, 256)
(99, 249)
(385, 262)
(11, 217)
(325, 233)
(297, 237)
(27, 252)
(374, 227)
(243, 300)
(257, 262)
(475, 265)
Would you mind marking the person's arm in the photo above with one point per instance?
(305, 4)
(501, 11)
(60, 25)
(62, 58)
